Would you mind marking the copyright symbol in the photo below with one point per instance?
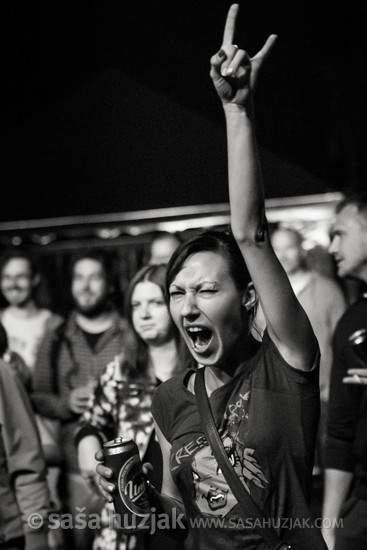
(35, 521)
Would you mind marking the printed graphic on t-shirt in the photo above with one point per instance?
(211, 492)
(210, 489)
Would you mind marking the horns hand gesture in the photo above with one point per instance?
(233, 71)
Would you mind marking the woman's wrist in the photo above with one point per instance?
(232, 110)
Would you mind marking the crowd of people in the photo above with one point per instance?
(240, 307)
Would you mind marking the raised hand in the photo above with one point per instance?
(233, 71)
(79, 398)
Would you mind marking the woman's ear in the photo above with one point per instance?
(249, 298)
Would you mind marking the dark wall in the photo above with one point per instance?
(109, 106)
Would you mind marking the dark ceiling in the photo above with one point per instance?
(109, 106)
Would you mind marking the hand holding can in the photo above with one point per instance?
(131, 499)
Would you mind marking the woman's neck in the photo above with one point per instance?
(218, 375)
(164, 359)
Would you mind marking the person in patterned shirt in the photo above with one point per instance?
(120, 405)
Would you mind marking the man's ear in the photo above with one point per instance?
(249, 298)
(36, 280)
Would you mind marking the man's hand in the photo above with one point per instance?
(78, 399)
(356, 376)
(233, 72)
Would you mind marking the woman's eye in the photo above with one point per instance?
(175, 294)
(207, 291)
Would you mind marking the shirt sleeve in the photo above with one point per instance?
(167, 393)
(44, 399)
(343, 412)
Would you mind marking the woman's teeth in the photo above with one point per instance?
(200, 337)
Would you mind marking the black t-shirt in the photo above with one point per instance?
(267, 416)
(92, 338)
(346, 447)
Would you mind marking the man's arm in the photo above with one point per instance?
(44, 399)
(25, 462)
(336, 488)
(343, 417)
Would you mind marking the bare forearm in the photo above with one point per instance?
(87, 449)
(337, 485)
(244, 173)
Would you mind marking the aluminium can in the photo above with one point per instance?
(131, 501)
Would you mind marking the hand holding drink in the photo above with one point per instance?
(130, 490)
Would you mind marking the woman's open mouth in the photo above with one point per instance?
(200, 338)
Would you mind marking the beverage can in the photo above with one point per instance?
(131, 501)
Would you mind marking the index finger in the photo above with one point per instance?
(230, 25)
(358, 372)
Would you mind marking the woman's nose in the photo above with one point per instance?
(189, 305)
(145, 311)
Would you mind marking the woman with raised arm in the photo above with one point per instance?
(264, 395)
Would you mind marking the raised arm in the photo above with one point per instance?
(235, 74)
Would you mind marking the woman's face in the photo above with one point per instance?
(207, 308)
(150, 316)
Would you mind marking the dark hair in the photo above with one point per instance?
(135, 353)
(221, 242)
(152, 273)
(98, 255)
(18, 253)
(358, 199)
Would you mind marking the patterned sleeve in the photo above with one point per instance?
(101, 416)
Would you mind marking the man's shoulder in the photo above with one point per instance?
(354, 317)
(119, 321)
(53, 320)
(3, 312)
(8, 377)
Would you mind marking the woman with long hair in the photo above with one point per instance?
(152, 353)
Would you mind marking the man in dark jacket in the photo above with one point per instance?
(346, 451)
(67, 369)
